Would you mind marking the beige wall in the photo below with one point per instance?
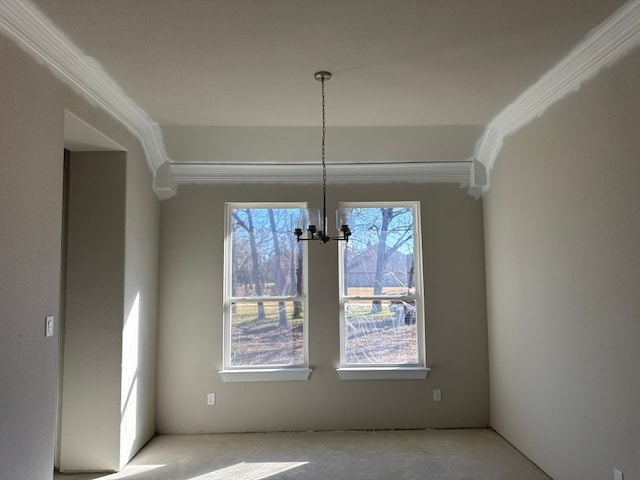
(31, 170)
(138, 388)
(110, 335)
(190, 329)
(562, 226)
(31, 142)
(93, 320)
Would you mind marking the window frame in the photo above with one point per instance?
(257, 373)
(419, 370)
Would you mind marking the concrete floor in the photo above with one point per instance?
(378, 455)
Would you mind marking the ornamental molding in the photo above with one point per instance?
(34, 32)
(175, 174)
(607, 43)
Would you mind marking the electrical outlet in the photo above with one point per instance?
(617, 474)
(211, 398)
(49, 326)
(437, 394)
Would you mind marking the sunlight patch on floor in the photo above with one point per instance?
(249, 471)
(131, 471)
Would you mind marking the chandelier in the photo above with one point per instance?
(315, 226)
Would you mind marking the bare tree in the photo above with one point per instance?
(255, 264)
(295, 272)
(386, 230)
(277, 267)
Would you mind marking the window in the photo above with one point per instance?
(381, 307)
(265, 300)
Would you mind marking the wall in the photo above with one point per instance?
(31, 157)
(190, 328)
(136, 401)
(562, 226)
(138, 388)
(31, 170)
(93, 320)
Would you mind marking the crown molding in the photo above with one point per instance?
(607, 43)
(35, 33)
(175, 174)
(32, 31)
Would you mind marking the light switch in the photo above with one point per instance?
(437, 394)
(49, 326)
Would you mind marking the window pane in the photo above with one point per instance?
(266, 333)
(379, 259)
(266, 260)
(380, 332)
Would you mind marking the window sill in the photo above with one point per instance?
(265, 375)
(383, 373)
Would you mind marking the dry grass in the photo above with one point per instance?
(267, 343)
(372, 338)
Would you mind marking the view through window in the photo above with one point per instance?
(265, 290)
(382, 319)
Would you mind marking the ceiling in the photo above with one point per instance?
(395, 62)
(413, 80)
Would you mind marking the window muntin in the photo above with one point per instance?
(381, 307)
(265, 288)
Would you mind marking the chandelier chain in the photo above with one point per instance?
(324, 134)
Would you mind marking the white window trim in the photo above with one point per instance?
(267, 373)
(383, 373)
(418, 371)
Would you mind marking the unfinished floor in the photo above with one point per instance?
(379, 455)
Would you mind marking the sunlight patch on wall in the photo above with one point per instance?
(129, 391)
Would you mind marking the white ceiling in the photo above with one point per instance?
(395, 62)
